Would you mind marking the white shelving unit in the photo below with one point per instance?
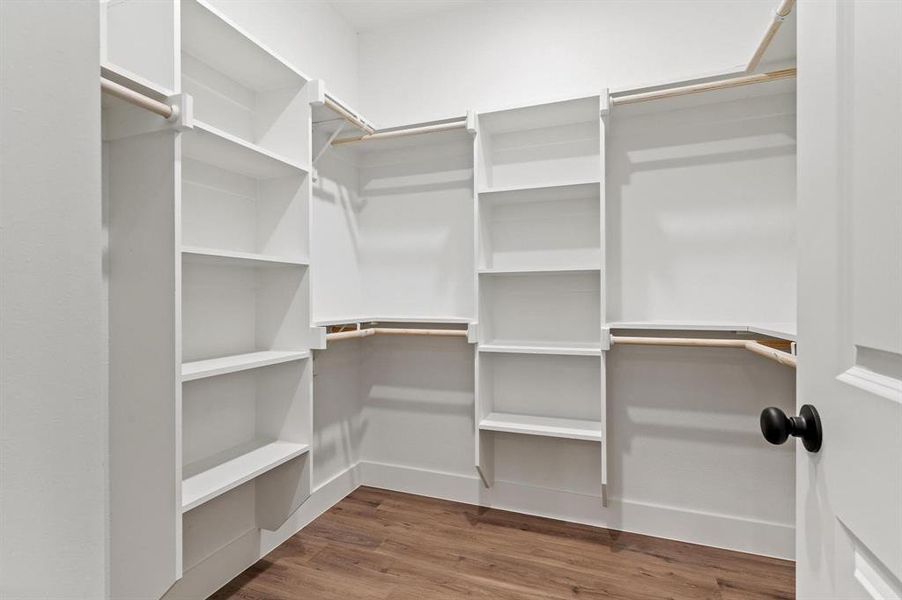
(539, 255)
(211, 368)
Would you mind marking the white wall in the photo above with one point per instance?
(310, 35)
(53, 417)
(701, 212)
(500, 53)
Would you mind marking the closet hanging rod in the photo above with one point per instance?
(779, 16)
(357, 333)
(347, 115)
(394, 133)
(138, 99)
(697, 88)
(784, 358)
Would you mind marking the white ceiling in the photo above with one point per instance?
(365, 15)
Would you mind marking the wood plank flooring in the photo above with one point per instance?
(381, 545)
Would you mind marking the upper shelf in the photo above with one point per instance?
(784, 331)
(214, 39)
(208, 144)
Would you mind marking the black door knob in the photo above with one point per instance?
(777, 427)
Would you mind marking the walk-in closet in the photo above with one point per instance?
(457, 299)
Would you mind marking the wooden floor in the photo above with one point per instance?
(384, 545)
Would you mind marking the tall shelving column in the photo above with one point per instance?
(247, 379)
(540, 240)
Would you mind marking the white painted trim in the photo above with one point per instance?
(669, 522)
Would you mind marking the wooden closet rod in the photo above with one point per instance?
(779, 16)
(358, 333)
(784, 358)
(347, 115)
(707, 86)
(138, 99)
(394, 133)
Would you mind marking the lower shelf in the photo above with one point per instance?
(203, 482)
(572, 429)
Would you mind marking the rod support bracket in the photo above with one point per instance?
(182, 117)
(472, 333)
(605, 101)
(605, 338)
(471, 122)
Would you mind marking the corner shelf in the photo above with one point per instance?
(212, 367)
(784, 331)
(206, 483)
(554, 349)
(213, 146)
(215, 256)
(571, 429)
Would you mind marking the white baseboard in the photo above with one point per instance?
(697, 527)
(709, 529)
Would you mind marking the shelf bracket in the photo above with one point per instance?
(605, 107)
(328, 144)
(472, 333)
(471, 122)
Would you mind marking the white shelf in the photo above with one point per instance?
(557, 349)
(201, 369)
(216, 40)
(212, 255)
(529, 188)
(203, 483)
(210, 145)
(561, 269)
(785, 331)
(572, 429)
(423, 319)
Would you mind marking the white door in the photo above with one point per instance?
(849, 495)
